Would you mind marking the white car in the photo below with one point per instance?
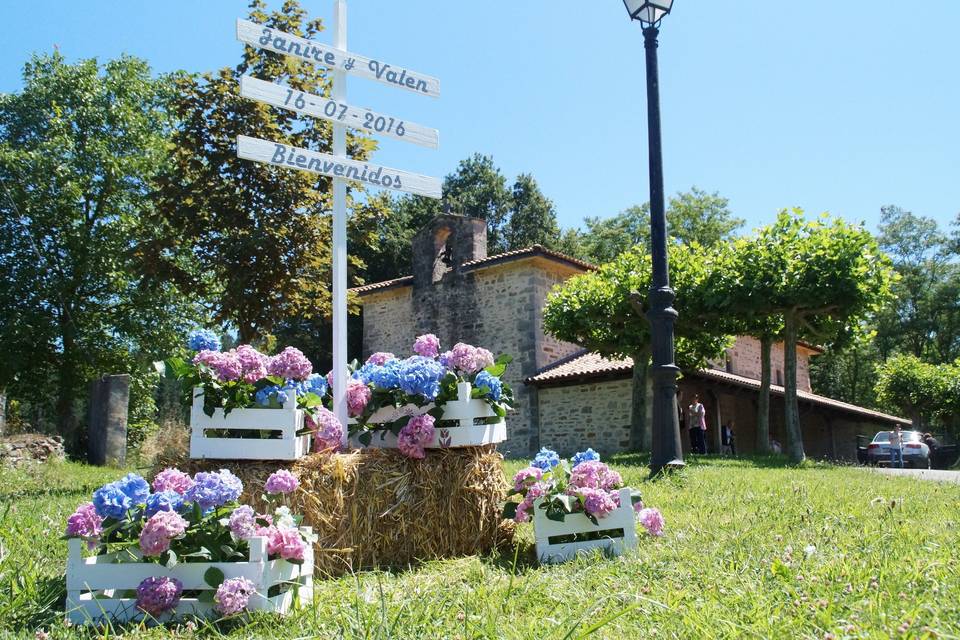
(915, 453)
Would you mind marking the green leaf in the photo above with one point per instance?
(213, 577)
(206, 596)
(365, 438)
(510, 510)
(172, 559)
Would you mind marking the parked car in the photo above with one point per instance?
(915, 453)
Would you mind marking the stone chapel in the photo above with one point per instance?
(567, 398)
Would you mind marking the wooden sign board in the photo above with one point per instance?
(257, 35)
(365, 120)
(282, 155)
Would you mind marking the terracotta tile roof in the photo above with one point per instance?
(519, 254)
(585, 366)
(386, 284)
(581, 365)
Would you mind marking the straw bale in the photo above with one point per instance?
(377, 508)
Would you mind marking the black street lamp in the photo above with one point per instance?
(666, 450)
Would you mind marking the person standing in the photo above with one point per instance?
(896, 447)
(698, 426)
(727, 441)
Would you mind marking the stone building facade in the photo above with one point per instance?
(566, 398)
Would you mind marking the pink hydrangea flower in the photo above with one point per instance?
(327, 430)
(86, 524)
(243, 523)
(358, 395)
(157, 595)
(159, 530)
(526, 477)
(380, 358)
(523, 513)
(594, 474)
(483, 359)
(290, 364)
(652, 521)
(226, 365)
(427, 345)
(534, 491)
(233, 595)
(281, 481)
(286, 542)
(596, 502)
(463, 357)
(172, 480)
(253, 363)
(415, 435)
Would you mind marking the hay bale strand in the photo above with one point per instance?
(377, 508)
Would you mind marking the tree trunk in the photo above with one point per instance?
(791, 408)
(763, 398)
(67, 425)
(3, 412)
(639, 422)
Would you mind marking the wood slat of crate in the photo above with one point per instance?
(287, 421)
(621, 519)
(93, 583)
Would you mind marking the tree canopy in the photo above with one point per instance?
(79, 149)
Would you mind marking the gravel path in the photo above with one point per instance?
(936, 475)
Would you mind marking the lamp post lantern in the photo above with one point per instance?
(666, 450)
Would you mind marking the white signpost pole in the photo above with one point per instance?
(340, 233)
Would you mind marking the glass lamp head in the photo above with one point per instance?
(648, 12)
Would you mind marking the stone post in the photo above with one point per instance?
(109, 398)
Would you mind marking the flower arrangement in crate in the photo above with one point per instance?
(186, 548)
(430, 399)
(219, 383)
(577, 505)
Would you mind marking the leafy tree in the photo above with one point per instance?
(252, 238)
(79, 147)
(822, 277)
(918, 389)
(692, 216)
(533, 219)
(516, 217)
(849, 374)
(925, 317)
(594, 310)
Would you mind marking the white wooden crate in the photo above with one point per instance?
(621, 519)
(287, 421)
(463, 411)
(93, 583)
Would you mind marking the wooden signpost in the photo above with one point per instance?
(337, 165)
(364, 120)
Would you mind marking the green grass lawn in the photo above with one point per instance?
(752, 549)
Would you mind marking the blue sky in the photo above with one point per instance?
(839, 106)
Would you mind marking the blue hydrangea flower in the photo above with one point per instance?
(317, 384)
(386, 376)
(264, 396)
(492, 383)
(214, 489)
(546, 459)
(135, 487)
(111, 502)
(585, 456)
(419, 376)
(203, 340)
(163, 501)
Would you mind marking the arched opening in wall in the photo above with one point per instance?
(714, 420)
(442, 254)
(779, 377)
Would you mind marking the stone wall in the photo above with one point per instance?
(744, 357)
(549, 349)
(589, 415)
(388, 322)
